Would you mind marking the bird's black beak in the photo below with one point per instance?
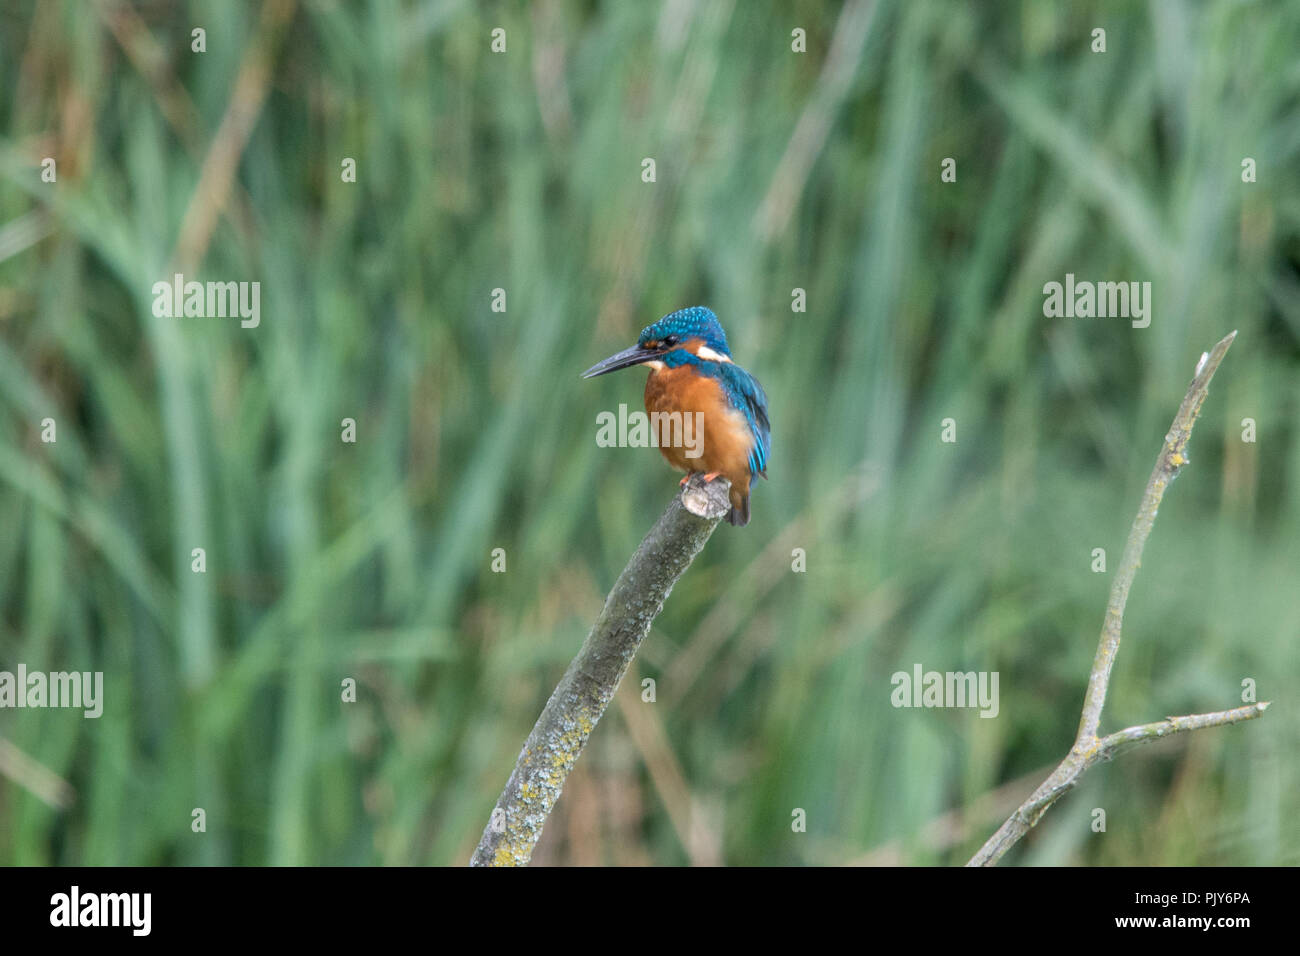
(624, 359)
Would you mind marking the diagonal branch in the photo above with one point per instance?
(588, 685)
(1088, 749)
(1171, 461)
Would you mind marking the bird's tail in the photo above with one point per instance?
(739, 514)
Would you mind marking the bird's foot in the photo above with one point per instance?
(682, 483)
(711, 475)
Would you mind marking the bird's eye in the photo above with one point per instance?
(670, 340)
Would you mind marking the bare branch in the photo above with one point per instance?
(1171, 461)
(1088, 749)
(588, 685)
(1145, 733)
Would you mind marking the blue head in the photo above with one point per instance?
(669, 334)
(677, 328)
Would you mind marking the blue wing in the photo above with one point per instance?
(745, 394)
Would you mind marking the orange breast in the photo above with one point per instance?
(723, 442)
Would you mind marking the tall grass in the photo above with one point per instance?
(522, 171)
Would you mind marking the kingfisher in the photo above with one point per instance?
(691, 371)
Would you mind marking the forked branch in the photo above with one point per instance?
(1088, 748)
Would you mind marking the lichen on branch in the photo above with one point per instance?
(587, 687)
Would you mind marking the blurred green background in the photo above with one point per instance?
(775, 171)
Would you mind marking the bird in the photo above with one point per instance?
(691, 371)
